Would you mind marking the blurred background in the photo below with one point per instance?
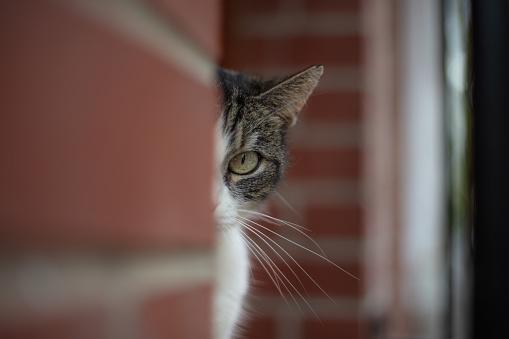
(107, 110)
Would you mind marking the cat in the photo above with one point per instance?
(255, 116)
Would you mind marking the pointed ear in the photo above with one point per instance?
(286, 98)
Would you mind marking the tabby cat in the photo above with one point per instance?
(252, 159)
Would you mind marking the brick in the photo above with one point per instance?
(253, 6)
(75, 324)
(343, 221)
(330, 163)
(97, 147)
(332, 107)
(183, 314)
(331, 279)
(297, 51)
(264, 327)
(332, 328)
(201, 20)
(329, 6)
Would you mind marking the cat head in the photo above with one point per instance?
(254, 118)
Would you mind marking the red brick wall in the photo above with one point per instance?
(324, 179)
(105, 139)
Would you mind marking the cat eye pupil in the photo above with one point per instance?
(244, 163)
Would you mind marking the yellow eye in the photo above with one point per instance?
(244, 163)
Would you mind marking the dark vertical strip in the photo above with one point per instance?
(491, 166)
(448, 320)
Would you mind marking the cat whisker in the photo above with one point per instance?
(291, 225)
(295, 261)
(321, 93)
(290, 207)
(305, 248)
(275, 278)
(257, 233)
(256, 249)
(276, 219)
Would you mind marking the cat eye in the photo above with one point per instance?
(244, 163)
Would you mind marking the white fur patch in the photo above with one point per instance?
(232, 260)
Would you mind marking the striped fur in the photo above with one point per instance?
(255, 117)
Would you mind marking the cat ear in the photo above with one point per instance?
(286, 98)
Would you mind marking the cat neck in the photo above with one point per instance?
(232, 280)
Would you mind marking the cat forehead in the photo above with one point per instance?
(245, 123)
(249, 129)
(240, 84)
(243, 113)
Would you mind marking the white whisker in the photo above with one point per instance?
(254, 230)
(276, 219)
(304, 248)
(277, 276)
(303, 270)
(290, 207)
(292, 225)
(282, 274)
(249, 243)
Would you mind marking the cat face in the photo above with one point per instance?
(254, 120)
